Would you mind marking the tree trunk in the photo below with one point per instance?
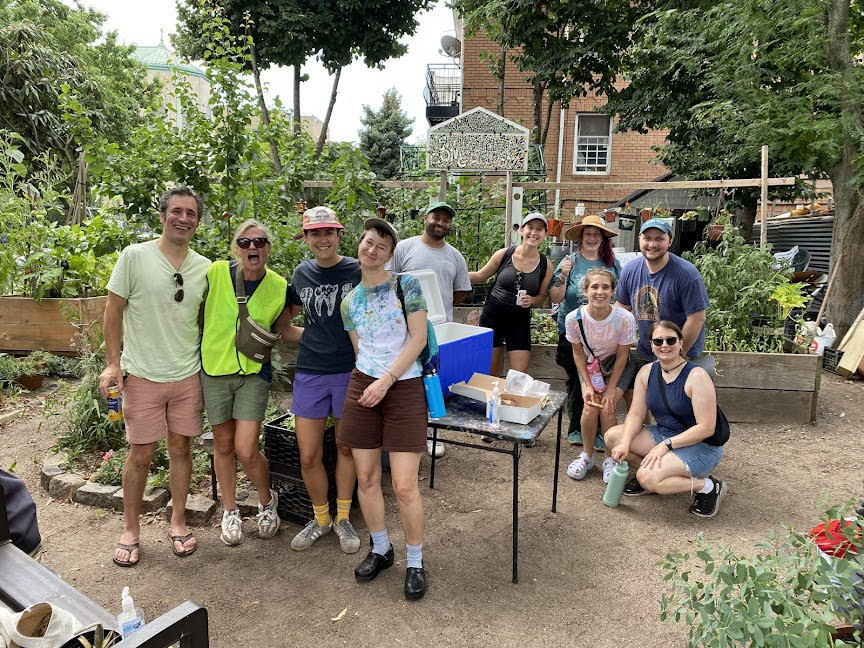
(546, 125)
(502, 69)
(847, 295)
(298, 125)
(538, 113)
(323, 136)
(265, 114)
(748, 215)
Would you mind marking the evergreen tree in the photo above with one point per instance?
(384, 132)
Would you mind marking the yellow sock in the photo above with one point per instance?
(322, 514)
(343, 510)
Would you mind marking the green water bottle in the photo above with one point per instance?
(617, 481)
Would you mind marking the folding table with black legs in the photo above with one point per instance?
(468, 415)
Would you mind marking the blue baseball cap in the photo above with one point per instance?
(657, 223)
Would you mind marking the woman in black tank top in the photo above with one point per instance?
(522, 281)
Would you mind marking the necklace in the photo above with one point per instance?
(668, 371)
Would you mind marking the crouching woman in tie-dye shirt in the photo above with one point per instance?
(385, 405)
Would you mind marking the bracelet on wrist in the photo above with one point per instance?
(395, 380)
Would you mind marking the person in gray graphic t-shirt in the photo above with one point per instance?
(430, 251)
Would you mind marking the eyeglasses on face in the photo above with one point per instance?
(258, 242)
(178, 279)
(670, 340)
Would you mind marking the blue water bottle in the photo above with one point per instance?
(434, 395)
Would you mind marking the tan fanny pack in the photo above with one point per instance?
(252, 340)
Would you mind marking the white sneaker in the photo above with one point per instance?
(608, 467)
(232, 528)
(349, 541)
(580, 466)
(310, 533)
(268, 518)
(439, 449)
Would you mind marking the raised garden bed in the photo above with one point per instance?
(27, 324)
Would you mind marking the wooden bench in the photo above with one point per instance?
(24, 582)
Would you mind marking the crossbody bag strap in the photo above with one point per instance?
(665, 400)
(240, 291)
(584, 337)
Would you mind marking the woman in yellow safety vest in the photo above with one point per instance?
(236, 387)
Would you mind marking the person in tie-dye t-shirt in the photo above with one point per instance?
(385, 406)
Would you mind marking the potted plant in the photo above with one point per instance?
(718, 224)
(28, 371)
(610, 215)
(688, 220)
(646, 213)
(787, 594)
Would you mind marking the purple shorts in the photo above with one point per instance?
(317, 396)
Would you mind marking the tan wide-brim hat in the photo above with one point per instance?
(574, 232)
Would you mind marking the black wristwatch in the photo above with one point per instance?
(668, 443)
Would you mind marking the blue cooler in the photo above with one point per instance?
(463, 349)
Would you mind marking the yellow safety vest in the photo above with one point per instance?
(219, 356)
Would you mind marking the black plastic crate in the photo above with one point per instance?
(283, 453)
(294, 503)
(790, 326)
(831, 357)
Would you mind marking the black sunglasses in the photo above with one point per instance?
(258, 242)
(178, 279)
(670, 340)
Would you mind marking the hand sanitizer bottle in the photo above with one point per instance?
(130, 619)
(493, 406)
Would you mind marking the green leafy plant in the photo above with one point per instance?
(544, 327)
(110, 471)
(744, 289)
(786, 595)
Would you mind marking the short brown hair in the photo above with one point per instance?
(180, 191)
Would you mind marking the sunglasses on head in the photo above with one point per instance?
(670, 340)
(178, 279)
(258, 242)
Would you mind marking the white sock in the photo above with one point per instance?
(707, 488)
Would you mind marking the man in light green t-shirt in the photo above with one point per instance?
(154, 295)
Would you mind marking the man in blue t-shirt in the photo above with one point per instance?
(663, 286)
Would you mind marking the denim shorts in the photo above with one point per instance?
(700, 458)
(318, 396)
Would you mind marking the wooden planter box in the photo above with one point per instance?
(27, 325)
(751, 387)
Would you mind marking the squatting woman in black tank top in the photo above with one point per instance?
(507, 310)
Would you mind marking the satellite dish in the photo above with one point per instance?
(452, 46)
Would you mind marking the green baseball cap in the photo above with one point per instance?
(444, 206)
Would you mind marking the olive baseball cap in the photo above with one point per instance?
(369, 223)
(442, 205)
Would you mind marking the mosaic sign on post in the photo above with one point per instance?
(477, 140)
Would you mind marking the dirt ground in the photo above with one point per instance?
(588, 574)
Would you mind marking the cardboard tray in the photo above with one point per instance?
(522, 409)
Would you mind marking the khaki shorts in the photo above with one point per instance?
(151, 409)
(238, 397)
(397, 423)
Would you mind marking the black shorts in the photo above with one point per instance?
(510, 324)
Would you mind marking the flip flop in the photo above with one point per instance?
(130, 548)
(182, 540)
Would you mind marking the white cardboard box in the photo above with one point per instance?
(519, 409)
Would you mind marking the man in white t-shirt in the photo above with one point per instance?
(430, 251)
(154, 295)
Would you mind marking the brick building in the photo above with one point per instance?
(590, 151)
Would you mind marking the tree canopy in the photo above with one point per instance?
(383, 134)
(49, 51)
(727, 77)
(567, 49)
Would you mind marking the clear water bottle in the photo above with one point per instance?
(615, 488)
(595, 373)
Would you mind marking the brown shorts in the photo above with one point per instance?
(150, 409)
(397, 423)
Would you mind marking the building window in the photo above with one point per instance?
(593, 152)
